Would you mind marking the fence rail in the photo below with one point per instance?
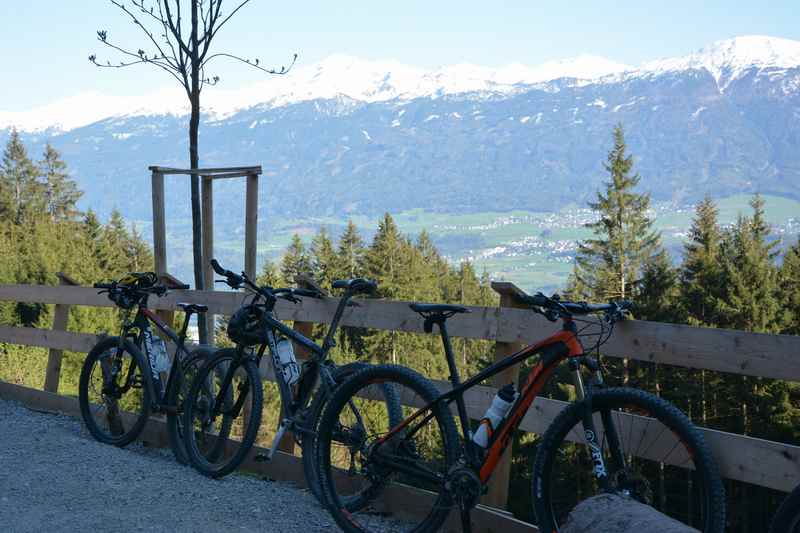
(761, 462)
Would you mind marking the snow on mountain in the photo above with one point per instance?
(354, 80)
(726, 60)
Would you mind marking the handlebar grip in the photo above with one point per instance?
(218, 268)
(340, 284)
(368, 285)
(539, 300)
(182, 287)
(625, 304)
(103, 285)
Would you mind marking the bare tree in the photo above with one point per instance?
(181, 50)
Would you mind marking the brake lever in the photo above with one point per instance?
(352, 303)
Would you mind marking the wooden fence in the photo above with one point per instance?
(761, 462)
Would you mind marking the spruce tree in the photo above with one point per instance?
(21, 190)
(701, 272)
(323, 258)
(62, 193)
(350, 253)
(609, 265)
(296, 261)
(789, 279)
(658, 290)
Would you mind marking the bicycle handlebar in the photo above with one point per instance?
(554, 307)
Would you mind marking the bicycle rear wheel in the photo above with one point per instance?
(658, 458)
(308, 440)
(176, 396)
(221, 421)
(410, 468)
(114, 391)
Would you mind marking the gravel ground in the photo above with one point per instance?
(54, 476)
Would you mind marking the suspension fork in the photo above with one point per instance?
(591, 435)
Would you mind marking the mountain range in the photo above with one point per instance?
(350, 136)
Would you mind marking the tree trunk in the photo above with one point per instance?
(609, 512)
(194, 161)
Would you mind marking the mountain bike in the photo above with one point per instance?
(233, 406)
(787, 518)
(610, 440)
(121, 381)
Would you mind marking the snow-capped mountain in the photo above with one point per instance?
(353, 136)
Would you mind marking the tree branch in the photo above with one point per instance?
(175, 25)
(143, 28)
(254, 63)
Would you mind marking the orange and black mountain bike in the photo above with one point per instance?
(610, 440)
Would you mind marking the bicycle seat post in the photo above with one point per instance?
(329, 342)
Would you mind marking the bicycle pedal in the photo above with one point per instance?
(261, 458)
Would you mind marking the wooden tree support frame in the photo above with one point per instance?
(208, 175)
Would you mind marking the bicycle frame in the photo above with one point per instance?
(553, 350)
(141, 323)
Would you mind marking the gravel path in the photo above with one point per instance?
(55, 477)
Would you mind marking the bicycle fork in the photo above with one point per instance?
(591, 435)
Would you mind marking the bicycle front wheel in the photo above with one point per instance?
(114, 391)
(222, 413)
(376, 480)
(651, 452)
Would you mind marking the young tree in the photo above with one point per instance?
(610, 264)
(350, 253)
(181, 48)
(323, 258)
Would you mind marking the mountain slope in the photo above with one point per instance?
(354, 137)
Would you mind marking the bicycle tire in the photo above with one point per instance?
(115, 416)
(308, 439)
(712, 494)
(442, 502)
(176, 395)
(787, 518)
(207, 465)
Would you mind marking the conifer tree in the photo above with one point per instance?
(658, 290)
(21, 190)
(701, 272)
(270, 275)
(62, 193)
(350, 253)
(323, 258)
(790, 290)
(296, 261)
(609, 265)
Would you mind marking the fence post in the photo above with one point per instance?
(60, 321)
(208, 247)
(251, 225)
(497, 494)
(159, 223)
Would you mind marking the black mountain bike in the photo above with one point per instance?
(122, 381)
(231, 409)
(615, 440)
(787, 519)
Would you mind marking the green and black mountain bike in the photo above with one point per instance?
(225, 418)
(123, 380)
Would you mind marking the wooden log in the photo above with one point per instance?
(251, 226)
(609, 512)
(60, 321)
(208, 248)
(205, 171)
(159, 224)
(497, 493)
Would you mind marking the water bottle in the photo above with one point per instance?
(501, 403)
(160, 358)
(289, 366)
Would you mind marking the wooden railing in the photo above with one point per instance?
(761, 462)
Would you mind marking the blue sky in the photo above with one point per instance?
(45, 43)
